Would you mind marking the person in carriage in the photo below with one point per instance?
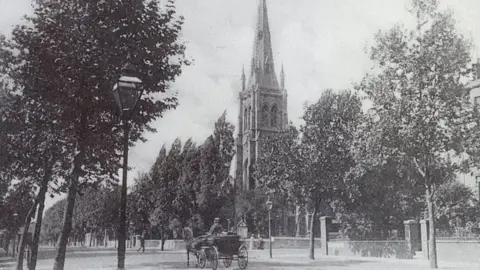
(194, 243)
(207, 248)
(217, 228)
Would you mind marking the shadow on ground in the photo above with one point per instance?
(164, 262)
(255, 264)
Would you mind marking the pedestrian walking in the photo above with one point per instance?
(142, 242)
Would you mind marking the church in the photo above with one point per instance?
(262, 102)
(263, 114)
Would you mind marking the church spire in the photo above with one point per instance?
(282, 78)
(263, 70)
(477, 69)
(243, 78)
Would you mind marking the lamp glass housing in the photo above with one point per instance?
(128, 90)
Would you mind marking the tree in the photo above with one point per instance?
(419, 86)
(165, 178)
(378, 195)
(31, 146)
(95, 211)
(328, 133)
(52, 223)
(186, 201)
(214, 187)
(313, 169)
(378, 199)
(141, 202)
(18, 201)
(187, 185)
(77, 85)
(455, 206)
(252, 205)
(145, 189)
(279, 167)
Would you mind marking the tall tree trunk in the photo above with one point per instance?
(23, 239)
(297, 220)
(285, 231)
(41, 206)
(431, 220)
(106, 238)
(7, 243)
(312, 233)
(67, 224)
(162, 233)
(306, 222)
(36, 235)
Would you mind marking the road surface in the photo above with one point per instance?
(106, 259)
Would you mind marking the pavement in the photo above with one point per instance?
(106, 259)
(3, 256)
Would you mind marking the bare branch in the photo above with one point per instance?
(420, 170)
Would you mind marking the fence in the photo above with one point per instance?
(458, 249)
(384, 249)
(415, 245)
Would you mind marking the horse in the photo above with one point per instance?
(189, 244)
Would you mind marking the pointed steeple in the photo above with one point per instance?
(477, 69)
(243, 78)
(263, 70)
(282, 78)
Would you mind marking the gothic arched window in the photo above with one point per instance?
(245, 122)
(265, 115)
(273, 117)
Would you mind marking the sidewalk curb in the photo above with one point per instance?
(7, 260)
(288, 256)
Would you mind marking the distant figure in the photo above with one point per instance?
(216, 228)
(260, 242)
(142, 242)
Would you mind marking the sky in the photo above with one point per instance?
(321, 43)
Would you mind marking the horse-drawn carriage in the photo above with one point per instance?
(213, 248)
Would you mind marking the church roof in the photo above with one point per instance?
(262, 65)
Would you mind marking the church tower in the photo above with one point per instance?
(262, 102)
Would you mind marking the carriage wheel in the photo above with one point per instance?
(227, 262)
(202, 259)
(242, 257)
(214, 257)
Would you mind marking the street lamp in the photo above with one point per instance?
(269, 207)
(127, 92)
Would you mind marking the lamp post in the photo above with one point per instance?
(127, 92)
(477, 185)
(269, 207)
(15, 217)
